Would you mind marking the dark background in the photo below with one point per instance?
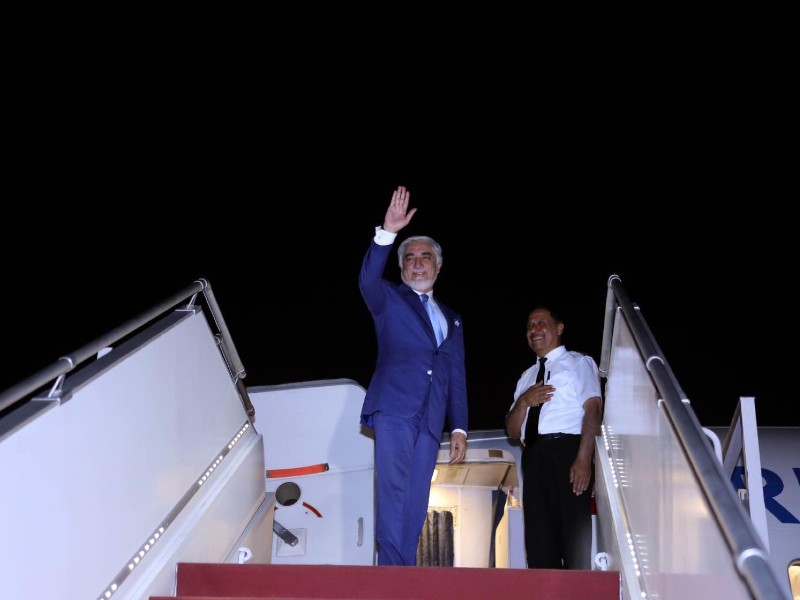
(271, 189)
(283, 264)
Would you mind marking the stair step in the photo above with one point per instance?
(203, 581)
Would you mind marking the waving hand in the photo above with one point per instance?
(398, 215)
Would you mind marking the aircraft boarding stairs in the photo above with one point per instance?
(140, 473)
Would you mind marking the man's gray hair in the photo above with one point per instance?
(437, 249)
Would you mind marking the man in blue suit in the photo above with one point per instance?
(417, 383)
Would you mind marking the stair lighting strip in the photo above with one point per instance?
(636, 556)
(147, 546)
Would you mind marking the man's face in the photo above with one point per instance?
(543, 333)
(419, 267)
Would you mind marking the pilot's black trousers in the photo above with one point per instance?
(558, 524)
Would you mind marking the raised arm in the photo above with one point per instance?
(398, 215)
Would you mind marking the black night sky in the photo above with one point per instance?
(111, 215)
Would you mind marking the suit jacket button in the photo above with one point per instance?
(430, 372)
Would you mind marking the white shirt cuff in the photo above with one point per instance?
(383, 237)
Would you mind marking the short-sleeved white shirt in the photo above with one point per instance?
(575, 377)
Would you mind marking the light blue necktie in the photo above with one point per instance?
(437, 327)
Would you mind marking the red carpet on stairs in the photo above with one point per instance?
(205, 581)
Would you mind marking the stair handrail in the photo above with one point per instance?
(58, 370)
(750, 555)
